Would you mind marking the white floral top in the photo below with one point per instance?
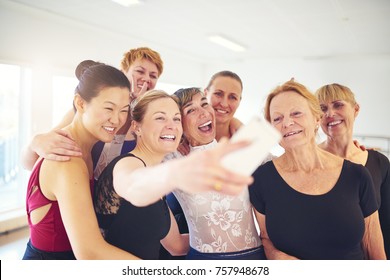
(218, 222)
(109, 152)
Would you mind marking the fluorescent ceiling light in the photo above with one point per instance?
(227, 43)
(127, 3)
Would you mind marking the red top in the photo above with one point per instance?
(49, 234)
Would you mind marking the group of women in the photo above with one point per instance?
(116, 163)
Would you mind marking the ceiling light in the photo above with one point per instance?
(127, 3)
(227, 43)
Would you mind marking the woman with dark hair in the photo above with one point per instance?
(60, 212)
(143, 67)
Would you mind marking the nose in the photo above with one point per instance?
(171, 123)
(287, 122)
(115, 118)
(224, 101)
(329, 112)
(146, 78)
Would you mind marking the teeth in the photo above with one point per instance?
(111, 129)
(172, 137)
(291, 133)
(205, 124)
(334, 123)
(221, 111)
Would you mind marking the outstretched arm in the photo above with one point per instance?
(199, 172)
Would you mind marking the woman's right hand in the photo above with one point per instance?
(55, 145)
(203, 171)
(184, 147)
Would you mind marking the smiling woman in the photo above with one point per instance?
(220, 226)
(224, 92)
(58, 192)
(130, 193)
(340, 112)
(313, 193)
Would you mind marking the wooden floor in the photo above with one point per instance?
(13, 244)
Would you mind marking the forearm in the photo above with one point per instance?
(28, 157)
(373, 240)
(274, 254)
(145, 186)
(101, 250)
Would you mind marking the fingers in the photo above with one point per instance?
(143, 89)
(225, 147)
(132, 84)
(64, 133)
(230, 183)
(57, 157)
(65, 144)
(184, 148)
(56, 145)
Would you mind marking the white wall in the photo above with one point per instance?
(368, 77)
(52, 45)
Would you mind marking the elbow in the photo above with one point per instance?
(86, 254)
(93, 250)
(179, 251)
(179, 248)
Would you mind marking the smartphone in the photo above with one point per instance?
(263, 137)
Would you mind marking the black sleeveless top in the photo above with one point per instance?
(137, 230)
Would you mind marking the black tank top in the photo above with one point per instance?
(137, 230)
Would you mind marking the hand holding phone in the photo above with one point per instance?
(263, 138)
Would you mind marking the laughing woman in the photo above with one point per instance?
(60, 213)
(129, 195)
(220, 226)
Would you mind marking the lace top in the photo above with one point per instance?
(137, 230)
(218, 222)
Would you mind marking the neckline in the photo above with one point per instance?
(286, 185)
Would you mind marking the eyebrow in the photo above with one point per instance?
(164, 113)
(112, 103)
(187, 105)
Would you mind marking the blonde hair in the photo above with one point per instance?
(333, 92)
(142, 53)
(297, 88)
(140, 105)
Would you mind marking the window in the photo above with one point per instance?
(63, 93)
(12, 125)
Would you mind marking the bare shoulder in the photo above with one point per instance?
(127, 164)
(55, 174)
